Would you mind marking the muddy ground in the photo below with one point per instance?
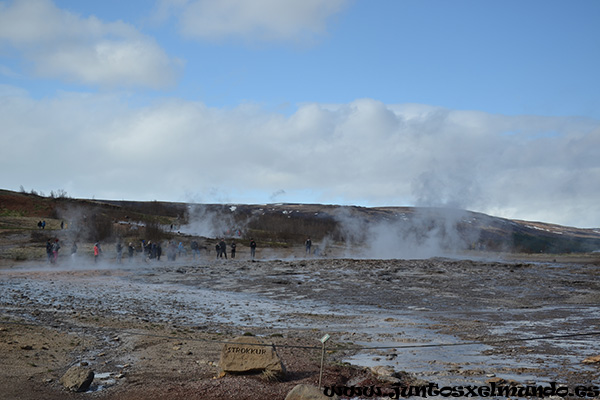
(155, 329)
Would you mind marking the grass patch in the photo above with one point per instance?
(11, 213)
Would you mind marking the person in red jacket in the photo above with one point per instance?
(97, 251)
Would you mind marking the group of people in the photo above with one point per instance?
(150, 250)
(42, 224)
(221, 248)
(52, 248)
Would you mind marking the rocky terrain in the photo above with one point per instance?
(153, 328)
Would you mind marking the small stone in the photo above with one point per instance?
(77, 379)
(307, 392)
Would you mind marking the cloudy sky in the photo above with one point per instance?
(490, 106)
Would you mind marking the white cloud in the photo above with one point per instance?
(268, 20)
(364, 152)
(60, 44)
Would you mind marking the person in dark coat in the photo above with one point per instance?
(252, 248)
(131, 251)
(49, 250)
(223, 248)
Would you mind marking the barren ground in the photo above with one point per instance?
(155, 329)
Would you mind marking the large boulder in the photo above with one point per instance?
(308, 392)
(77, 378)
(249, 354)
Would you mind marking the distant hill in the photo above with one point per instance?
(379, 232)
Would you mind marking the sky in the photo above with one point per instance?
(488, 106)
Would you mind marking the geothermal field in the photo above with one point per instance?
(153, 328)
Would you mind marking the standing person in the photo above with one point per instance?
(232, 249)
(97, 251)
(55, 248)
(195, 249)
(171, 251)
(49, 250)
(131, 250)
(158, 251)
(252, 248)
(223, 248)
(153, 250)
(308, 245)
(44, 224)
(73, 250)
(119, 252)
(181, 249)
(218, 250)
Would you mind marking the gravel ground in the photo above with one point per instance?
(155, 329)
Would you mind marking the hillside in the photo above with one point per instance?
(379, 232)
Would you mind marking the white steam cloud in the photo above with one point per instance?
(416, 234)
(213, 223)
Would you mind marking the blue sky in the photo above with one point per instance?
(485, 105)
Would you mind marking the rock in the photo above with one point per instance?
(496, 380)
(592, 360)
(249, 354)
(385, 374)
(307, 392)
(382, 370)
(77, 379)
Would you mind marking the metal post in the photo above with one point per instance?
(322, 359)
(323, 340)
